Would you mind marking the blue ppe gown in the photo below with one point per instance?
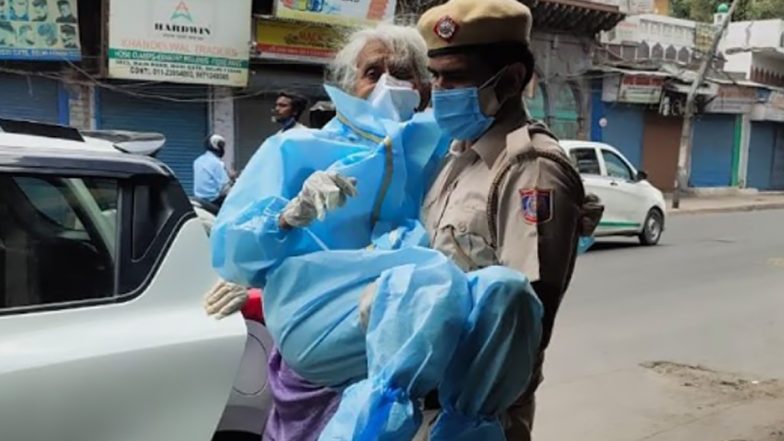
(473, 336)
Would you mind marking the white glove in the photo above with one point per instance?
(225, 299)
(321, 192)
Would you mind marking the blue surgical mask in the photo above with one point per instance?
(459, 111)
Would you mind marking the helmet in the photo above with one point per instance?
(217, 145)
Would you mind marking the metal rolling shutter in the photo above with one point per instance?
(711, 161)
(624, 130)
(184, 124)
(31, 98)
(761, 144)
(777, 175)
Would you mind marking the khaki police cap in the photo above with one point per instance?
(459, 23)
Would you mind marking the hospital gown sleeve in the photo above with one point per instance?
(247, 240)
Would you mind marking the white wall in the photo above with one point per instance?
(739, 63)
(748, 34)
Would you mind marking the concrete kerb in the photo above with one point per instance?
(727, 209)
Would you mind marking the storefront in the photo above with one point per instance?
(33, 98)
(766, 144)
(179, 112)
(253, 106)
(713, 161)
(766, 156)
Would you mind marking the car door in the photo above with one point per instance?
(623, 192)
(102, 335)
(586, 159)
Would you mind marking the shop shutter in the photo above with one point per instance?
(761, 145)
(624, 130)
(711, 161)
(184, 124)
(30, 98)
(777, 175)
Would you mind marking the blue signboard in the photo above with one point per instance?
(39, 30)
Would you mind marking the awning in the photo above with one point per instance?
(574, 16)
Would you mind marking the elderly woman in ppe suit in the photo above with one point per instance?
(326, 221)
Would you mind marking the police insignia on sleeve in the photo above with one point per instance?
(536, 205)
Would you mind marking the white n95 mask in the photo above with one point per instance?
(394, 99)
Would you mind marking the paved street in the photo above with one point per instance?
(684, 341)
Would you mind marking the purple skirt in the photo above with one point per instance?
(300, 410)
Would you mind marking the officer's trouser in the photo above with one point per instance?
(519, 420)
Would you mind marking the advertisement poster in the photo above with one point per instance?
(39, 30)
(180, 41)
(307, 42)
(339, 12)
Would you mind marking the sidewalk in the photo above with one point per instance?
(727, 203)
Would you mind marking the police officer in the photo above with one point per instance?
(507, 193)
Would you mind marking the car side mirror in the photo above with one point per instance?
(641, 176)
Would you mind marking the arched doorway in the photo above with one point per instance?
(565, 110)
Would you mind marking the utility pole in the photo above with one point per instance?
(684, 152)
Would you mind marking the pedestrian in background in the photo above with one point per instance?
(211, 179)
(507, 194)
(289, 108)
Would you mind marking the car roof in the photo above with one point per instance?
(92, 152)
(45, 143)
(577, 143)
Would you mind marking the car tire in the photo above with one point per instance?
(652, 228)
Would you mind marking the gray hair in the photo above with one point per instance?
(405, 42)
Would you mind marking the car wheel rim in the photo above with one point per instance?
(653, 228)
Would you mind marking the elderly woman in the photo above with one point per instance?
(326, 222)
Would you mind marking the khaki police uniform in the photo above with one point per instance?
(512, 197)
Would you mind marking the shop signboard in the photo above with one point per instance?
(733, 99)
(640, 89)
(44, 30)
(770, 106)
(180, 41)
(336, 12)
(297, 41)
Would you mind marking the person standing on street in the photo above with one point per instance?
(211, 179)
(289, 108)
(507, 193)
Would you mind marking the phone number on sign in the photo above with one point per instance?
(177, 73)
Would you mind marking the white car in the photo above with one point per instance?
(632, 206)
(103, 264)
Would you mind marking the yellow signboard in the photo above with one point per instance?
(309, 42)
(337, 12)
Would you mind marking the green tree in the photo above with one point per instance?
(767, 9)
(703, 10)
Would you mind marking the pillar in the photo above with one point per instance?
(222, 119)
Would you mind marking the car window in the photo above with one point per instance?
(48, 200)
(616, 167)
(586, 161)
(56, 242)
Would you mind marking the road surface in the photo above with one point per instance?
(684, 341)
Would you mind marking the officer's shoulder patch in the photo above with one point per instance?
(536, 205)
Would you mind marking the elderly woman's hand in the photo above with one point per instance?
(225, 299)
(321, 192)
